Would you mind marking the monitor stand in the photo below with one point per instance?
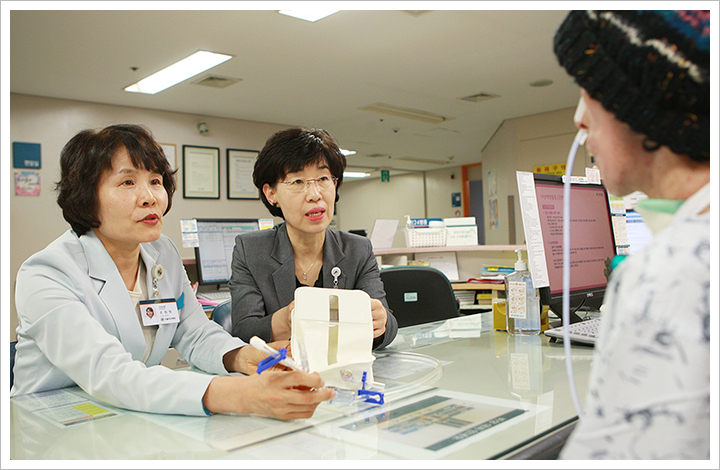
(214, 287)
(557, 310)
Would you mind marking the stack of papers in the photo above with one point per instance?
(466, 298)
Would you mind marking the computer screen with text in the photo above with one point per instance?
(216, 241)
(592, 243)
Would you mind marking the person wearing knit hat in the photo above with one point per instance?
(645, 82)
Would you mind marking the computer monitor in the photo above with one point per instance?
(216, 240)
(591, 238)
(637, 231)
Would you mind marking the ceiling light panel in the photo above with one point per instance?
(541, 83)
(216, 81)
(423, 160)
(178, 72)
(479, 97)
(355, 174)
(407, 113)
(310, 14)
(416, 13)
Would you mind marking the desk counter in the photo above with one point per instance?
(526, 373)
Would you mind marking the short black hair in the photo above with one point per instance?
(89, 154)
(290, 151)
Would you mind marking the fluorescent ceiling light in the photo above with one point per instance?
(355, 174)
(423, 160)
(407, 113)
(479, 97)
(310, 14)
(347, 152)
(178, 72)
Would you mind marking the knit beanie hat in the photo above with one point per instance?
(650, 68)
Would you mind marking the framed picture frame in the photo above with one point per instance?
(201, 172)
(170, 153)
(240, 166)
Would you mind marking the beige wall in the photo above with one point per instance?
(519, 145)
(417, 194)
(499, 163)
(440, 184)
(361, 202)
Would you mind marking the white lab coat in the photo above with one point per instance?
(78, 325)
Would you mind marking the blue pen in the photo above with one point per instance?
(275, 357)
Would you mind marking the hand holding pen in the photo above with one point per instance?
(290, 394)
(274, 356)
(279, 357)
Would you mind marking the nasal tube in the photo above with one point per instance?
(580, 138)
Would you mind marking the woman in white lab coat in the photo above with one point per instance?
(79, 300)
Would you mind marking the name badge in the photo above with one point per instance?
(159, 312)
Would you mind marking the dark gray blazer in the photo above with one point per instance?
(263, 277)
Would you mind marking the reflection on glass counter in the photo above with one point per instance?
(454, 389)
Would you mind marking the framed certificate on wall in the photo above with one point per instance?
(170, 154)
(240, 165)
(201, 172)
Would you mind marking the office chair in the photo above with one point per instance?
(222, 314)
(418, 294)
(12, 362)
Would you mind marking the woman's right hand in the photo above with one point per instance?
(281, 323)
(283, 395)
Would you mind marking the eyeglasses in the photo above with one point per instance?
(300, 185)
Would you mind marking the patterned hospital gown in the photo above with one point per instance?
(649, 391)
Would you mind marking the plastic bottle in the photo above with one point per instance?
(523, 301)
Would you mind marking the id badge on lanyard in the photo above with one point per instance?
(158, 311)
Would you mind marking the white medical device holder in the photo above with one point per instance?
(332, 334)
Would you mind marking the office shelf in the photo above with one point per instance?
(446, 249)
(476, 286)
(470, 260)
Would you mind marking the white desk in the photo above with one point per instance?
(494, 366)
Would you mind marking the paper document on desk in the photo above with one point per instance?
(445, 262)
(429, 426)
(65, 408)
(426, 334)
(466, 326)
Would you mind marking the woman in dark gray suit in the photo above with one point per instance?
(298, 173)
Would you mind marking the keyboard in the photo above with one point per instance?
(580, 332)
(215, 295)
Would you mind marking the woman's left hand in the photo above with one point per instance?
(379, 317)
